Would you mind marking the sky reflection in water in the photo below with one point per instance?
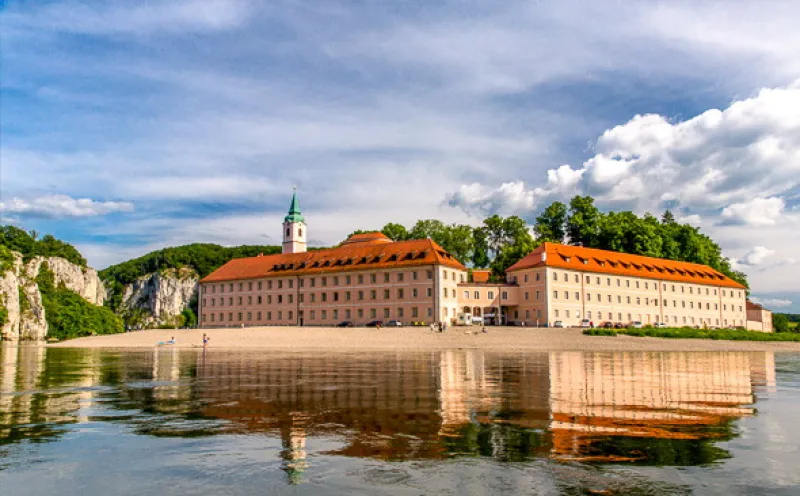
(461, 421)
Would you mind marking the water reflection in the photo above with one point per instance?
(636, 408)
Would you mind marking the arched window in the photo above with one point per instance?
(300, 232)
(288, 232)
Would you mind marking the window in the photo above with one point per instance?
(360, 295)
(556, 313)
(577, 295)
(347, 313)
(504, 295)
(466, 295)
(324, 281)
(444, 291)
(269, 315)
(373, 278)
(430, 274)
(241, 287)
(372, 313)
(566, 295)
(386, 277)
(566, 313)
(477, 295)
(249, 315)
(588, 296)
(400, 313)
(555, 276)
(324, 297)
(269, 299)
(537, 276)
(525, 278)
(249, 300)
(526, 295)
(360, 313)
(313, 314)
(260, 285)
(249, 286)
(324, 314)
(240, 315)
(313, 297)
(537, 295)
(385, 313)
(373, 294)
(400, 294)
(430, 312)
(240, 300)
(555, 295)
(336, 314)
(335, 296)
(280, 284)
(414, 293)
(347, 295)
(608, 280)
(313, 282)
(414, 275)
(230, 287)
(301, 283)
(361, 279)
(386, 294)
(577, 278)
(588, 280)
(335, 280)
(491, 295)
(291, 283)
(619, 299)
(399, 277)
(280, 298)
(429, 292)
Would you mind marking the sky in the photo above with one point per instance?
(131, 126)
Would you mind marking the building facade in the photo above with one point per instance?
(758, 318)
(369, 277)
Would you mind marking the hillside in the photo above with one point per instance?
(160, 288)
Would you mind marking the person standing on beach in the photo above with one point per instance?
(206, 339)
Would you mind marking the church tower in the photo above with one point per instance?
(294, 229)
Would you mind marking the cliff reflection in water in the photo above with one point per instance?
(651, 408)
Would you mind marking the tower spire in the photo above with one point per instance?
(294, 235)
(294, 210)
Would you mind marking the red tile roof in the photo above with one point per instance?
(611, 262)
(359, 252)
(481, 275)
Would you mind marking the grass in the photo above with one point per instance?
(685, 333)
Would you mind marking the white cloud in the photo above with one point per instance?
(757, 256)
(737, 161)
(58, 206)
(756, 212)
(771, 302)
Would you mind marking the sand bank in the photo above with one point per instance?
(413, 339)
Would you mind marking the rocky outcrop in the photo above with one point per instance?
(22, 301)
(159, 298)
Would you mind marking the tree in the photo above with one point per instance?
(780, 322)
(429, 228)
(395, 232)
(458, 240)
(583, 223)
(551, 223)
(480, 250)
(508, 240)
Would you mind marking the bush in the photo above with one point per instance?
(600, 332)
(715, 334)
(69, 315)
(780, 323)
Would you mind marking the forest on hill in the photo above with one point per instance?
(30, 245)
(500, 241)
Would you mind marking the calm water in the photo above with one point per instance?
(457, 422)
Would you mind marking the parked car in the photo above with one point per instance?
(375, 323)
(636, 324)
(660, 325)
(619, 325)
(607, 325)
(585, 323)
(394, 323)
(558, 323)
(345, 323)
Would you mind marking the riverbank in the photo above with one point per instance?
(411, 339)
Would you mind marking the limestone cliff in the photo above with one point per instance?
(158, 298)
(22, 301)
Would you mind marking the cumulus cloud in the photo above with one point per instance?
(756, 212)
(737, 161)
(757, 256)
(58, 206)
(771, 302)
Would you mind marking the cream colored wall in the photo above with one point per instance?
(483, 296)
(759, 320)
(447, 283)
(532, 307)
(572, 296)
(284, 299)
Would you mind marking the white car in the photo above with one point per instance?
(558, 323)
(636, 325)
(660, 325)
(585, 323)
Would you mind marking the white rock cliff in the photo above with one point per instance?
(159, 298)
(22, 300)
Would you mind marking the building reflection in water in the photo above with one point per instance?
(665, 408)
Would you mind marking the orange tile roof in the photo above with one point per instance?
(611, 262)
(365, 252)
(481, 275)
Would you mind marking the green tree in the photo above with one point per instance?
(480, 251)
(583, 223)
(395, 232)
(508, 239)
(551, 223)
(780, 322)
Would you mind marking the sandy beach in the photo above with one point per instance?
(412, 339)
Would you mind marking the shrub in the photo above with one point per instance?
(715, 334)
(600, 332)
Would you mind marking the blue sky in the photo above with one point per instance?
(129, 126)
